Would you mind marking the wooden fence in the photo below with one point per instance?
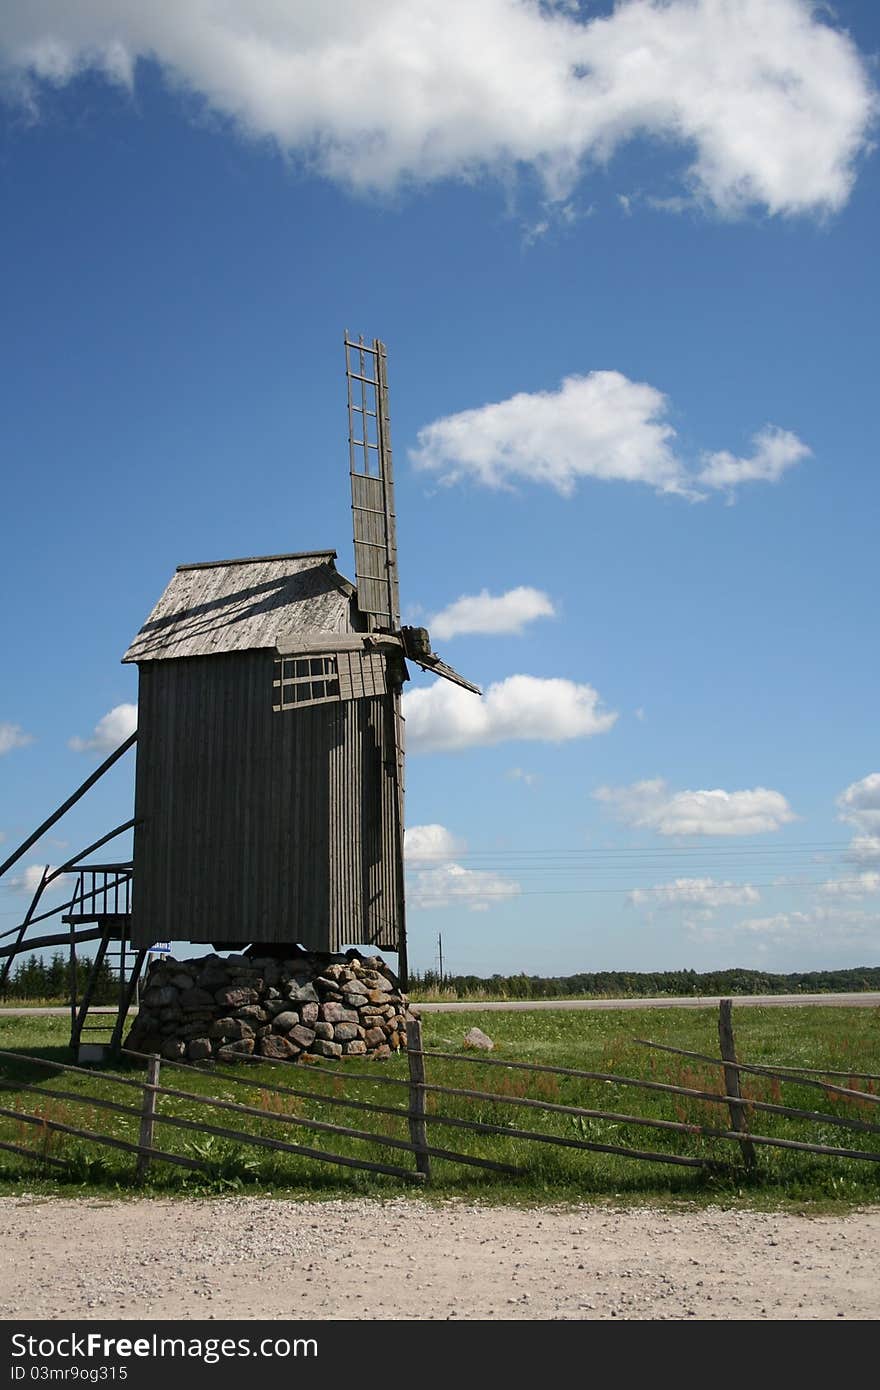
(423, 1119)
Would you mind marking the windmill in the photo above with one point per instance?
(270, 746)
(269, 790)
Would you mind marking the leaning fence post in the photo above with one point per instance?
(417, 1130)
(148, 1113)
(738, 1120)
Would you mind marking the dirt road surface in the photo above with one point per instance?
(404, 1259)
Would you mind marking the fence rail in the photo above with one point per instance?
(421, 1111)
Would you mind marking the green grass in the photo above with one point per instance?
(844, 1039)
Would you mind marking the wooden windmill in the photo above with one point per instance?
(269, 787)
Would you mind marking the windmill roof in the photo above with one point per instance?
(239, 605)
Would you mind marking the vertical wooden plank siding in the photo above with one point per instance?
(261, 826)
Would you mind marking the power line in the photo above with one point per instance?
(448, 891)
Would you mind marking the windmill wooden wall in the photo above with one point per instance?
(263, 819)
(260, 825)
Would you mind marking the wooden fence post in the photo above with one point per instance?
(148, 1112)
(417, 1129)
(738, 1120)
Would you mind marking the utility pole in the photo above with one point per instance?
(440, 952)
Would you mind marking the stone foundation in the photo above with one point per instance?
(305, 1006)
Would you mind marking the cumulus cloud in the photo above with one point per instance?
(112, 728)
(775, 451)
(443, 717)
(769, 104)
(820, 925)
(862, 885)
(864, 849)
(859, 803)
(448, 882)
(13, 736)
(652, 805)
(29, 879)
(600, 426)
(491, 614)
(695, 892)
(451, 884)
(421, 842)
(597, 426)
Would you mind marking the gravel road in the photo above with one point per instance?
(404, 1259)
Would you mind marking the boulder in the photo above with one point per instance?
(276, 1047)
(335, 1013)
(283, 1022)
(233, 996)
(302, 1036)
(229, 1051)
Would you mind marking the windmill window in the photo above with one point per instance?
(308, 680)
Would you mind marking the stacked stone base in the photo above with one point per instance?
(307, 1006)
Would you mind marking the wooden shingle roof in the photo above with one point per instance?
(240, 605)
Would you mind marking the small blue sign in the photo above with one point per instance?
(161, 947)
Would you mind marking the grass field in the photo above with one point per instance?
(846, 1040)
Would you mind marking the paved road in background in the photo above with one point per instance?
(765, 1001)
(856, 1001)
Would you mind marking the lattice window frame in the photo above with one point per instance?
(304, 680)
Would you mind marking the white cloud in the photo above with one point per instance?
(519, 774)
(652, 805)
(13, 736)
(695, 892)
(600, 426)
(421, 842)
(780, 924)
(28, 881)
(111, 729)
(864, 849)
(597, 426)
(490, 615)
(862, 885)
(820, 926)
(449, 884)
(775, 451)
(859, 803)
(444, 717)
(770, 104)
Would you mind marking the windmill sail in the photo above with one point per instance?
(372, 482)
(417, 645)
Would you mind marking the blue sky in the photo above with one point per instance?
(624, 259)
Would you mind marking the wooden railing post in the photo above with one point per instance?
(738, 1120)
(148, 1114)
(417, 1129)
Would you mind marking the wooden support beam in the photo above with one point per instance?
(58, 939)
(148, 1115)
(65, 806)
(417, 1131)
(738, 1119)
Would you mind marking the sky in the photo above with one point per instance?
(623, 257)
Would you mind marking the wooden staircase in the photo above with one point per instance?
(102, 898)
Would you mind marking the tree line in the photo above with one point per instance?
(35, 978)
(645, 984)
